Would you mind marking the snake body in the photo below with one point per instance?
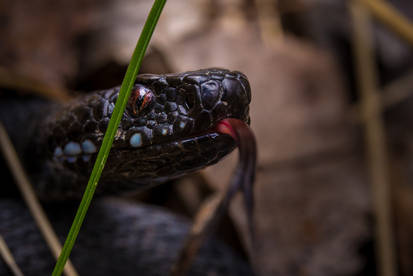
(167, 130)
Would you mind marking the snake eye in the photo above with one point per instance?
(140, 99)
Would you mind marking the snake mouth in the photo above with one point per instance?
(170, 159)
(167, 160)
(197, 136)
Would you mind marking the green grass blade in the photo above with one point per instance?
(123, 97)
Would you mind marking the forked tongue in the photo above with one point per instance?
(244, 175)
(211, 211)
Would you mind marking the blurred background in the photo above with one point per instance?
(331, 110)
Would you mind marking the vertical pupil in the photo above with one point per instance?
(139, 102)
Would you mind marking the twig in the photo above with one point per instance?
(29, 196)
(375, 138)
(123, 96)
(388, 15)
(392, 94)
(204, 222)
(8, 258)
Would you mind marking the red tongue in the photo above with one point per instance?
(242, 180)
(244, 175)
(225, 127)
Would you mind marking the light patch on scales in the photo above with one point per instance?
(120, 134)
(164, 131)
(58, 152)
(72, 148)
(136, 140)
(88, 146)
(182, 124)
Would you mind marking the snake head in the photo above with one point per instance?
(167, 129)
(175, 106)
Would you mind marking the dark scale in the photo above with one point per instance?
(211, 91)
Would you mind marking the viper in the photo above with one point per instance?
(167, 130)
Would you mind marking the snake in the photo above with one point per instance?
(168, 130)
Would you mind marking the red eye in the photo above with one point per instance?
(140, 98)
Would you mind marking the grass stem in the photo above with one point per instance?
(117, 114)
